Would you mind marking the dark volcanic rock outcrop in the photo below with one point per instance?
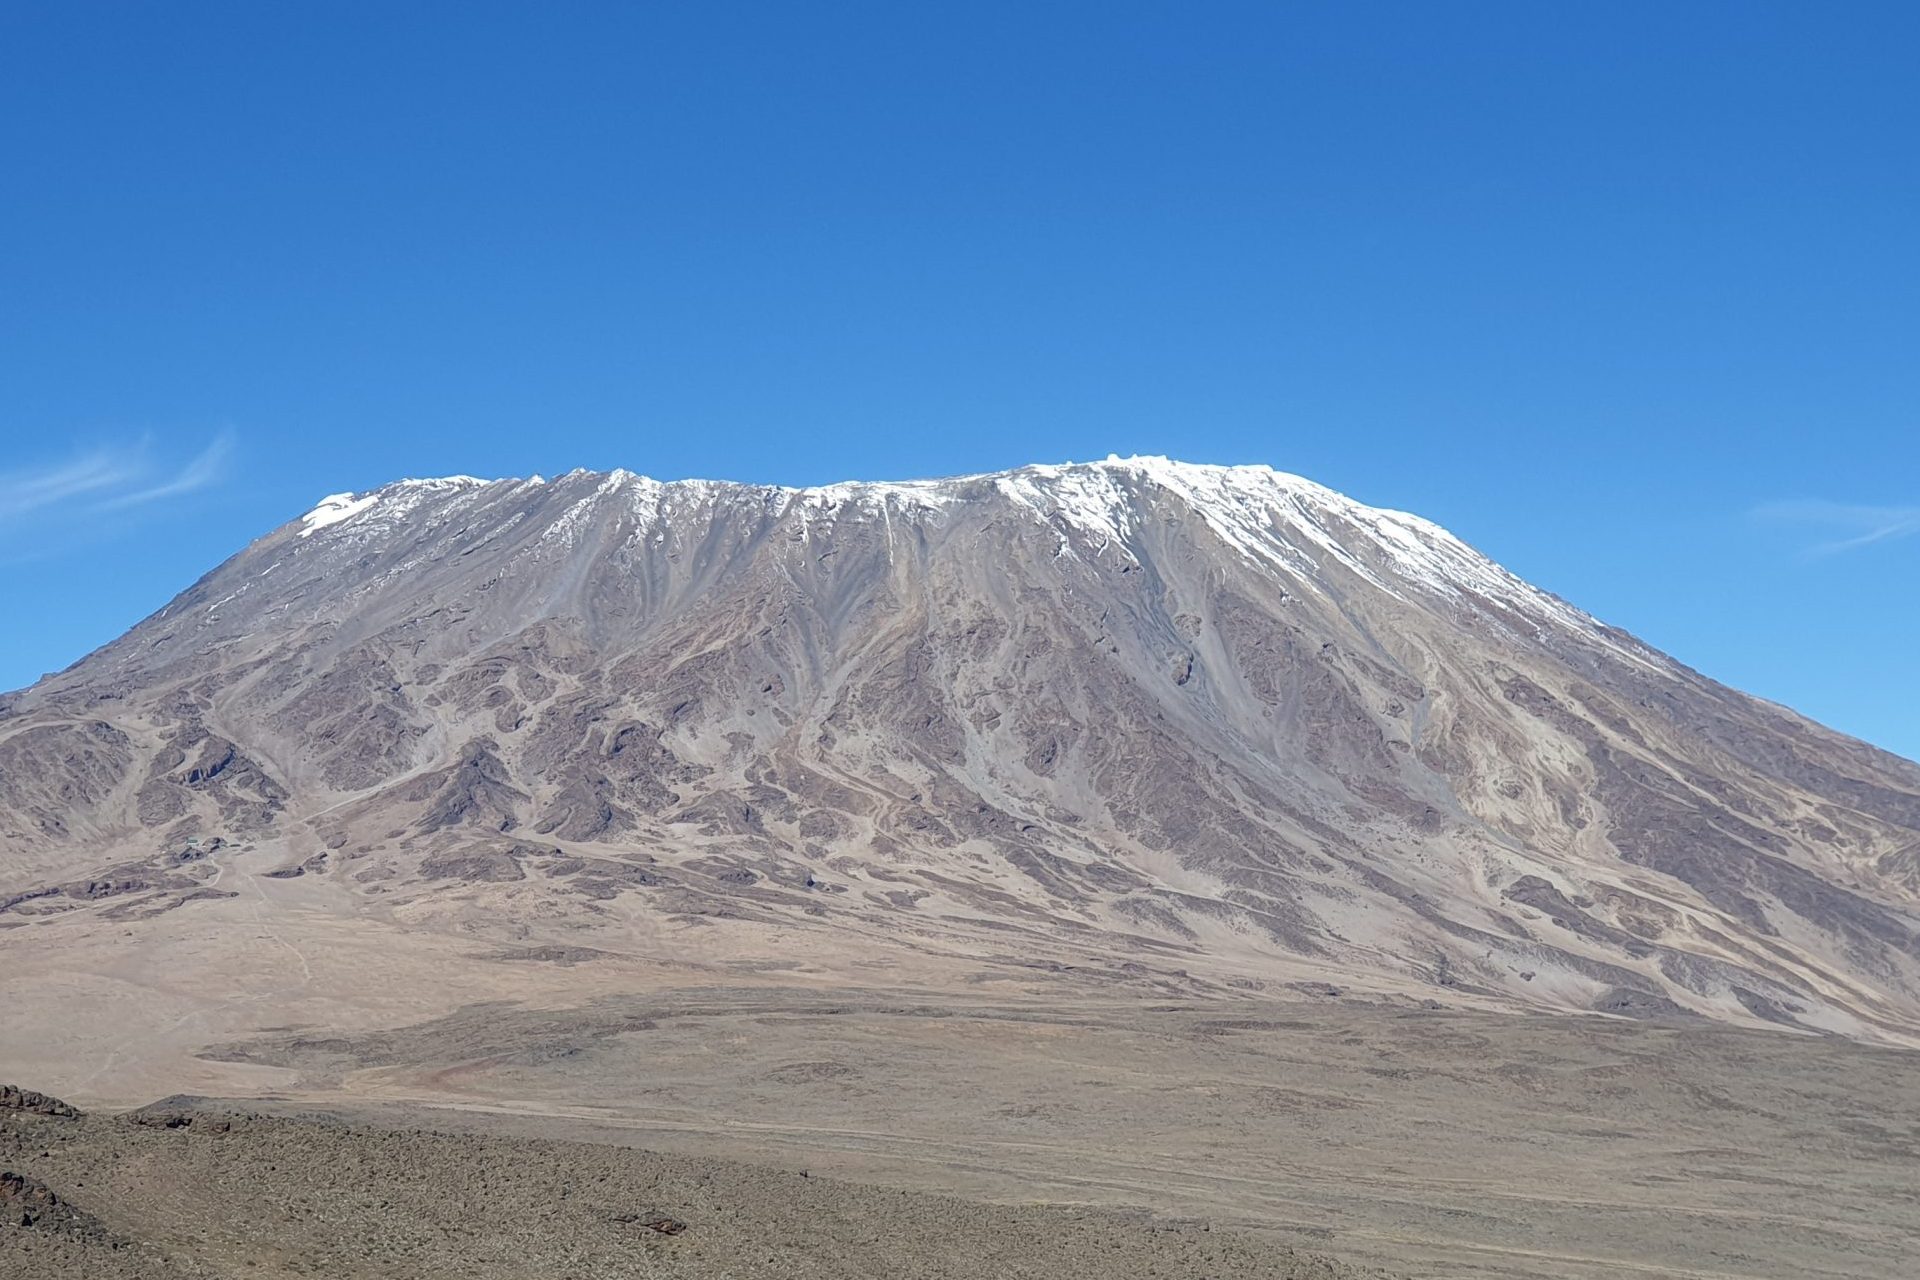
(14, 1098)
(29, 1204)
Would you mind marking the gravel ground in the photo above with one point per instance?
(193, 1189)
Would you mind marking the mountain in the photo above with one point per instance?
(1162, 726)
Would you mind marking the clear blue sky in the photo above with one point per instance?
(1628, 295)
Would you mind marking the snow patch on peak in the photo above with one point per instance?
(437, 484)
(390, 504)
(332, 509)
(1292, 524)
(876, 496)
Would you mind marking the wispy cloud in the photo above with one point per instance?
(25, 491)
(203, 469)
(1846, 525)
(110, 479)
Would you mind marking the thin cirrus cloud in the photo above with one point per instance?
(203, 469)
(110, 479)
(1846, 525)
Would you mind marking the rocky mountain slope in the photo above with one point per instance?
(1175, 726)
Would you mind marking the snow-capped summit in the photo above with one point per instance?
(1299, 530)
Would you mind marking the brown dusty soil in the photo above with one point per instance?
(1434, 1143)
(191, 1189)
